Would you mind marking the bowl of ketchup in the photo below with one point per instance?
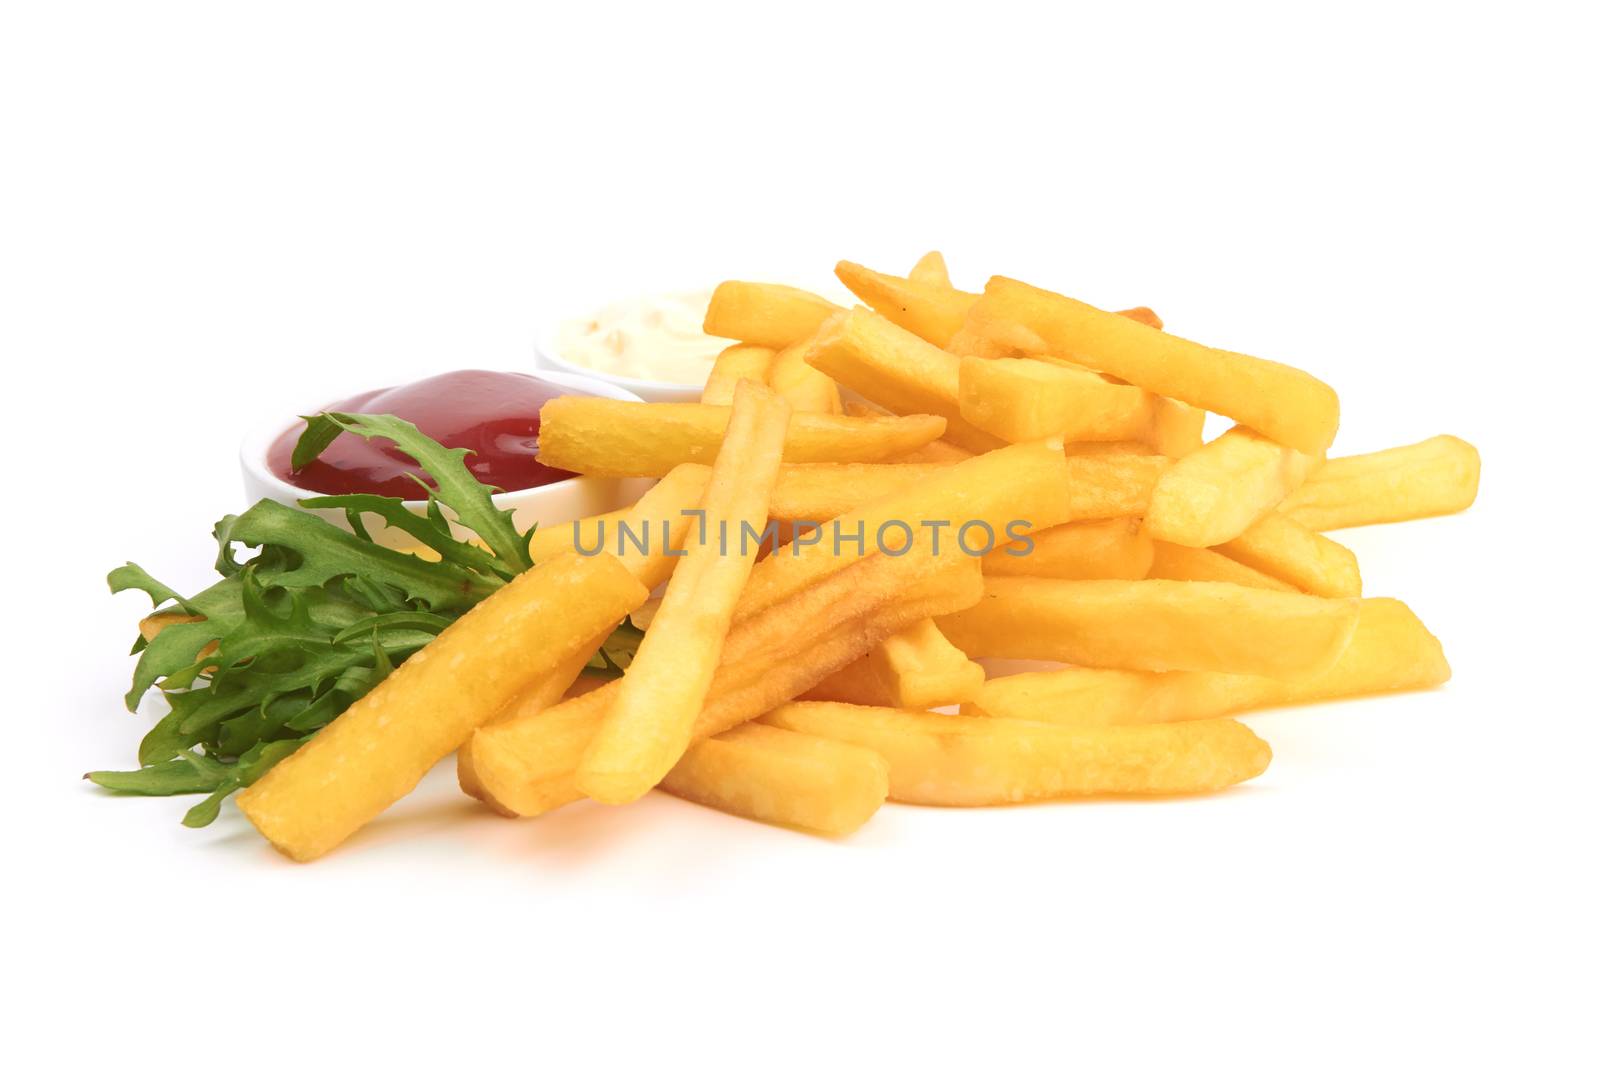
(494, 415)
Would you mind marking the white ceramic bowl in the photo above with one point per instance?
(545, 358)
(563, 501)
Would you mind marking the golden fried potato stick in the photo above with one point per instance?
(1390, 651)
(1022, 487)
(758, 313)
(1285, 404)
(931, 271)
(857, 682)
(1110, 485)
(1026, 399)
(646, 538)
(988, 337)
(781, 777)
(940, 451)
(544, 693)
(735, 364)
(1278, 546)
(1217, 493)
(622, 439)
(899, 370)
(1155, 625)
(664, 688)
(1100, 548)
(527, 762)
(932, 312)
(815, 492)
(1180, 563)
(1176, 429)
(1438, 476)
(804, 386)
(915, 668)
(962, 761)
(377, 751)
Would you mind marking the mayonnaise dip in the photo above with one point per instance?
(655, 338)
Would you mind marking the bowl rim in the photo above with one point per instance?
(544, 352)
(253, 450)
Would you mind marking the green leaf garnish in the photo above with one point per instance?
(291, 636)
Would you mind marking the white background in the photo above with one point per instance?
(216, 214)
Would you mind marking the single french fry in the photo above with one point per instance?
(1438, 476)
(1287, 405)
(649, 725)
(527, 763)
(804, 386)
(924, 669)
(964, 761)
(1217, 493)
(622, 439)
(931, 271)
(1390, 651)
(1144, 315)
(778, 776)
(377, 751)
(857, 682)
(988, 337)
(1026, 399)
(1181, 563)
(1101, 548)
(735, 364)
(1008, 491)
(544, 693)
(1279, 546)
(759, 313)
(646, 538)
(1155, 625)
(815, 492)
(1176, 429)
(940, 451)
(1110, 448)
(1110, 485)
(932, 312)
(895, 368)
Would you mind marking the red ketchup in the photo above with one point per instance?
(495, 416)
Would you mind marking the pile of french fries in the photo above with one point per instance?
(1168, 582)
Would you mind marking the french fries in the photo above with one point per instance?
(1011, 489)
(895, 368)
(816, 492)
(915, 668)
(930, 270)
(1438, 476)
(735, 364)
(932, 312)
(377, 751)
(621, 439)
(1015, 475)
(1155, 625)
(1183, 564)
(528, 763)
(805, 387)
(1217, 493)
(778, 776)
(758, 313)
(648, 727)
(647, 538)
(1282, 403)
(1390, 651)
(961, 761)
(1026, 399)
(1103, 548)
(1278, 546)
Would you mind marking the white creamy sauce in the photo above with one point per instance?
(655, 338)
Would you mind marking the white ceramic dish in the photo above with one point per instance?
(561, 501)
(656, 392)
